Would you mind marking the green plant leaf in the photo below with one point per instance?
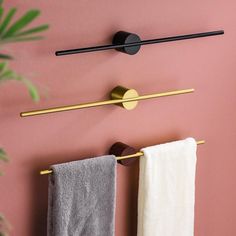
(20, 39)
(32, 89)
(21, 23)
(1, 11)
(5, 72)
(3, 155)
(5, 57)
(7, 20)
(33, 30)
(3, 66)
(8, 75)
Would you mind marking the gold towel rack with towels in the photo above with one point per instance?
(121, 96)
(118, 158)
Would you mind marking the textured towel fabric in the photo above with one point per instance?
(167, 189)
(82, 198)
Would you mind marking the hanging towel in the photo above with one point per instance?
(82, 198)
(167, 189)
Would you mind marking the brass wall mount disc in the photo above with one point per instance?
(121, 92)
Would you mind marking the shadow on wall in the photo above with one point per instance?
(39, 204)
(127, 199)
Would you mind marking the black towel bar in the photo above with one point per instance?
(130, 43)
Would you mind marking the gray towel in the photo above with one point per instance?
(82, 198)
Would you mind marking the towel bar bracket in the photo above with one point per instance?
(122, 149)
(122, 37)
(120, 92)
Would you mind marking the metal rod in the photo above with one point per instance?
(143, 42)
(102, 103)
(138, 154)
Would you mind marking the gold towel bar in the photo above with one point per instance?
(121, 96)
(138, 154)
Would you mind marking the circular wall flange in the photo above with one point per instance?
(123, 37)
(121, 92)
(121, 149)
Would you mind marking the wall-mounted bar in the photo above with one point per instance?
(121, 96)
(118, 158)
(130, 43)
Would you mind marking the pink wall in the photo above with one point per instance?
(208, 65)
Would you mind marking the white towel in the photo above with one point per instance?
(167, 189)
